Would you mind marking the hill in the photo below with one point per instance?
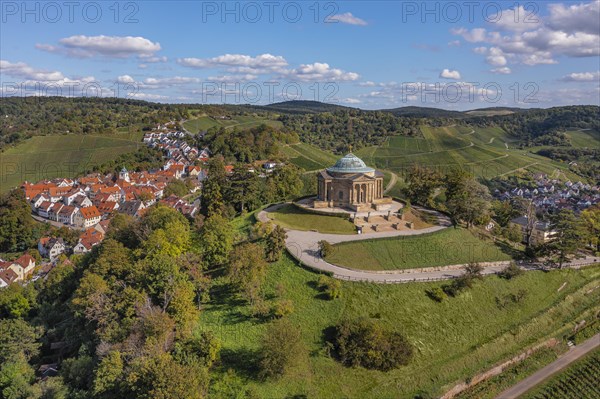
(303, 107)
(424, 112)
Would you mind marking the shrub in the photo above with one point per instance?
(281, 348)
(283, 308)
(332, 288)
(437, 294)
(325, 248)
(511, 271)
(366, 343)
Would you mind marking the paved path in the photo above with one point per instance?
(303, 245)
(559, 364)
(391, 183)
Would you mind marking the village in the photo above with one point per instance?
(87, 204)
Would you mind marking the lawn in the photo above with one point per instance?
(292, 217)
(69, 155)
(447, 247)
(452, 340)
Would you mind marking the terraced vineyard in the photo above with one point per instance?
(579, 381)
(308, 156)
(486, 152)
(243, 121)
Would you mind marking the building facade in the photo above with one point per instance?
(351, 184)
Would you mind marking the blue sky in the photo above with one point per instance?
(453, 55)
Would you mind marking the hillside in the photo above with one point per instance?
(303, 107)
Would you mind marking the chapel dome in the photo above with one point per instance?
(350, 164)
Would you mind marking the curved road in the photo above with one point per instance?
(304, 247)
(575, 353)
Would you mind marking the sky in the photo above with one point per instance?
(368, 54)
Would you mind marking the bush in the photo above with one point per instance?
(366, 343)
(511, 271)
(281, 348)
(325, 248)
(437, 294)
(332, 288)
(283, 308)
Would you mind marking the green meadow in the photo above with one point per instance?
(446, 247)
(69, 155)
(452, 340)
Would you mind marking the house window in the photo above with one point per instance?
(341, 195)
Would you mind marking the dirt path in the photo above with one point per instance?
(391, 183)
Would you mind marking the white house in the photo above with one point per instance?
(51, 247)
(87, 217)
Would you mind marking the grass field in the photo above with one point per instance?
(584, 138)
(44, 157)
(205, 122)
(485, 152)
(447, 247)
(452, 340)
(295, 218)
(579, 381)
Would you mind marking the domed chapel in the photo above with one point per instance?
(351, 184)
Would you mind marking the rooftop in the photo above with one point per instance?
(350, 163)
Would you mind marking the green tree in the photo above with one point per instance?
(17, 229)
(591, 222)
(286, 183)
(281, 349)
(247, 270)
(422, 183)
(467, 200)
(109, 375)
(366, 343)
(243, 189)
(213, 188)
(568, 238)
(275, 243)
(16, 378)
(216, 237)
(176, 187)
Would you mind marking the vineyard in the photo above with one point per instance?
(579, 381)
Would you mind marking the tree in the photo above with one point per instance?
(467, 200)
(513, 233)
(285, 182)
(275, 243)
(214, 186)
(217, 240)
(503, 212)
(176, 187)
(281, 348)
(422, 183)
(591, 222)
(569, 236)
(16, 378)
(366, 343)
(243, 189)
(18, 337)
(17, 228)
(247, 270)
(511, 271)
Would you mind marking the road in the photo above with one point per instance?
(559, 364)
(304, 247)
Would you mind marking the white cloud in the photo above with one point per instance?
(448, 74)
(107, 46)
(502, 70)
(454, 43)
(24, 71)
(175, 80)
(320, 72)
(473, 36)
(350, 100)
(582, 77)
(260, 62)
(524, 38)
(125, 79)
(496, 57)
(232, 78)
(575, 18)
(346, 18)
